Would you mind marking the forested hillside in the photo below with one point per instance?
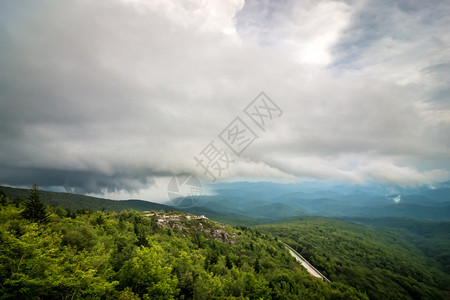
(52, 253)
(391, 259)
(74, 202)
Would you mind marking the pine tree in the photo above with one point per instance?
(18, 201)
(3, 198)
(34, 208)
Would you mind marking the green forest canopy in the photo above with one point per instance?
(383, 262)
(128, 255)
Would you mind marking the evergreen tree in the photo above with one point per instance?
(18, 201)
(3, 198)
(34, 208)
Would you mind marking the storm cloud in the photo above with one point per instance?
(114, 96)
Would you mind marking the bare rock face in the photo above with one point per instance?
(223, 236)
(183, 223)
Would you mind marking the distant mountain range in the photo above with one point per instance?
(251, 203)
(274, 201)
(75, 202)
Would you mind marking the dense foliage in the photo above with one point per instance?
(126, 255)
(397, 259)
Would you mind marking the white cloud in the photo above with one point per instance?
(209, 16)
(389, 172)
(132, 90)
(304, 32)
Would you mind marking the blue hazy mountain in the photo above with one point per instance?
(262, 202)
(277, 200)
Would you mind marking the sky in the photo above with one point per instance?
(114, 97)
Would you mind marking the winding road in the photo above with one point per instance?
(310, 268)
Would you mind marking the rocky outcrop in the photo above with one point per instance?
(183, 223)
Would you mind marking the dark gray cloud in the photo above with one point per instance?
(73, 181)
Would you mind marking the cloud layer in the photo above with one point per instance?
(108, 96)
